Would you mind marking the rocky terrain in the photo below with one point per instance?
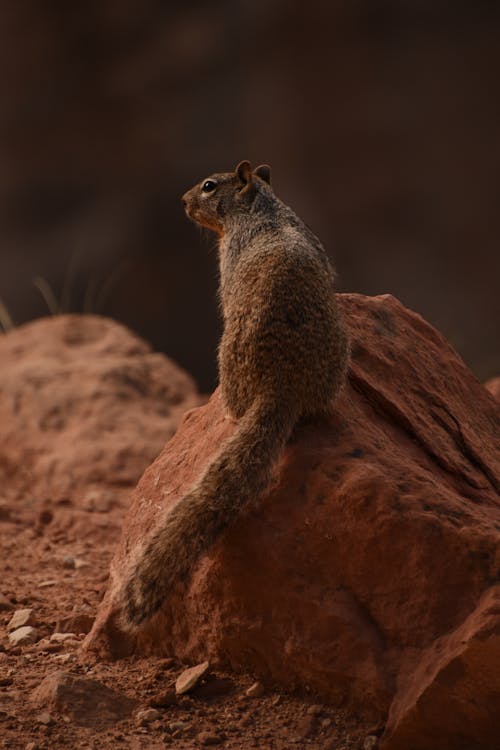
(355, 606)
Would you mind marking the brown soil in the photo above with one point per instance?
(35, 576)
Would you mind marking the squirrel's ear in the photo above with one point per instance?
(264, 172)
(244, 172)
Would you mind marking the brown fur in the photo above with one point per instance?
(283, 355)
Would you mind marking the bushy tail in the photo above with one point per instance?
(239, 474)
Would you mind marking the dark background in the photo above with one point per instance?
(381, 119)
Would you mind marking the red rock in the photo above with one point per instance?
(85, 406)
(86, 701)
(370, 564)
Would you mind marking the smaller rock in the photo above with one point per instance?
(5, 604)
(147, 716)
(370, 742)
(45, 718)
(190, 678)
(20, 618)
(31, 746)
(87, 702)
(208, 738)
(47, 584)
(255, 691)
(69, 562)
(23, 636)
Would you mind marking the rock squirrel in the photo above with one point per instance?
(283, 355)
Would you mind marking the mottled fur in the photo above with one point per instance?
(282, 356)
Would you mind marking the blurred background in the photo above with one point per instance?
(381, 119)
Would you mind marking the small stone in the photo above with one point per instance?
(45, 718)
(23, 636)
(255, 691)
(20, 618)
(31, 746)
(69, 562)
(5, 604)
(325, 723)
(190, 677)
(208, 738)
(147, 716)
(47, 584)
(370, 742)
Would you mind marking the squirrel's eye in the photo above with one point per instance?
(209, 186)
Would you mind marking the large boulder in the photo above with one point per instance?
(368, 572)
(85, 406)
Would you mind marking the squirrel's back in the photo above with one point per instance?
(283, 355)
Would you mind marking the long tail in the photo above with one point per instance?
(239, 474)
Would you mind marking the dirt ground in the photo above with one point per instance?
(55, 562)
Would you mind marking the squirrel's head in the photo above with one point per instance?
(216, 198)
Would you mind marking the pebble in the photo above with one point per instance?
(69, 562)
(146, 716)
(45, 718)
(23, 636)
(20, 618)
(255, 691)
(188, 679)
(31, 746)
(370, 742)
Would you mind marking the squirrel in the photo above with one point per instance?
(283, 356)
